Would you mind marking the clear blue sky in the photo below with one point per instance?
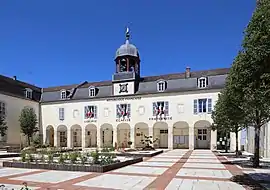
(58, 42)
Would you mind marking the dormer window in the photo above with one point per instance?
(202, 82)
(92, 91)
(63, 94)
(161, 86)
(28, 93)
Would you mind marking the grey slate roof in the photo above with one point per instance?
(148, 85)
(12, 87)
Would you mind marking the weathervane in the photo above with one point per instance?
(127, 34)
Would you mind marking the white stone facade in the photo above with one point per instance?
(179, 130)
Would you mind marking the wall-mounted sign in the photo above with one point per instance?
(90, 121)
(124, 99)
(160, 118)
(123, 120)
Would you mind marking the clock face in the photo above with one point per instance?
(123, 88)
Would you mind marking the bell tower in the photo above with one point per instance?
(127, 73)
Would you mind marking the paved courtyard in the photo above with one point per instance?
(171, 170)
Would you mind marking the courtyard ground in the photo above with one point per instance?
(171, 170)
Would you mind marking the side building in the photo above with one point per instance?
(14, 96)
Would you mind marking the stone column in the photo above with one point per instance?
(132, 137)
(170, 137)
(99, 143)
(69, 138)
(55, 138)
(151, 133)
(213, 143)
(191, 138)
(83, 138)
(232, 142)
(267, 134)
(115, 135)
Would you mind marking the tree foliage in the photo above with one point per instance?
(227, 115)
(28, 122)
(3, 125)
(249, 77)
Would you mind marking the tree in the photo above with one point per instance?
(227, 116)
(249, 77)
(28, 122)
(3, 125)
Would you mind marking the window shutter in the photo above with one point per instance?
(118, 108)
(128, 110)
(195, 106)
(61, 114)
(154, 108)
(86, 109)
(95, 112)
(166, 109)
(209, 106)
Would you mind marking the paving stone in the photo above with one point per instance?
(167, 164)
(204, 165)
(190, 184)
(141, 170)
(118, 182)
(188, 172)
(51, 176)
(13, 171)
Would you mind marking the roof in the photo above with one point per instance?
(147, 85)
(14, 87)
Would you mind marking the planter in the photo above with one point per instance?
(70, 167)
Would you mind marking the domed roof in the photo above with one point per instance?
(127, 48)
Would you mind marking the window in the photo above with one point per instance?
(2, 108)
(62, 136)
(123, 110)
(202, 82)
(92, 91)
(90, 112)
(161, 108)
(161, 86)
(61, 114)
(63, 94)
(28, 93)
(202, 134)
(202, 106)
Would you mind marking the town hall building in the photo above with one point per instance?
(175, 109)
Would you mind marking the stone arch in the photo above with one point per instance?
(62, 136)
(123, 135)
(76, 135)
(202, 133)
(50, 135)
(180, 134)
(141, 130)
(90, 136)
(160, 132)
(106, 135)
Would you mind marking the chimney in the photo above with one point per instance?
(187, 72)
(14, 77)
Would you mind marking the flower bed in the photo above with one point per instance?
(75, 161)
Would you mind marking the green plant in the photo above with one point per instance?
(83, 158)
(23, 156)
(107, 159)
(42, 158)
(28, 122)
(50, 157)
(65, 156)
(148, 142)
(105, 149)
(73, 157)
(29, 157)
(61, 159)
(95, 156)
